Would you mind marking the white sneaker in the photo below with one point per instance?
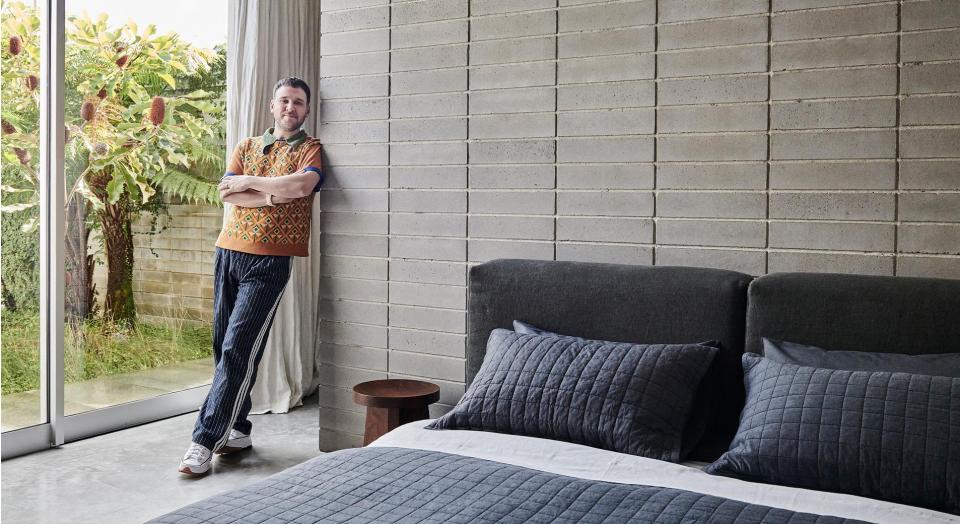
(197, 460)
(235, 442)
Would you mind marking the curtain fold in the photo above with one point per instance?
(268, 40)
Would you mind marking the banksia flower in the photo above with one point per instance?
(122, 61)
(101, 149)
(158, 109)
(66, 134)
(88, 111)
(102, 93)
(32, 82)
(118, 46)
(7, 127)
(15, 45)
(23, 155)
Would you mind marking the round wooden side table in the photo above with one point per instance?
(392, 403)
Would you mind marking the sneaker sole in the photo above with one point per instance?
(201, 470)
(227, 450)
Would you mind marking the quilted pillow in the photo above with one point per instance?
(890, 436)
(940, 364)
(630, 398)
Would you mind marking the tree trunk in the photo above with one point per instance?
(78, 296)
(117, 234)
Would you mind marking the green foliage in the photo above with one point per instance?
(20, 252)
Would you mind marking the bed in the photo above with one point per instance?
(415, 474)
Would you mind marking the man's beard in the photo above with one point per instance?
(296, 126)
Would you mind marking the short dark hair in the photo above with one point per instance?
(292, 81)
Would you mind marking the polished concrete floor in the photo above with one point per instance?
(131, 475)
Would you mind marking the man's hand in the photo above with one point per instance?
(235, 184)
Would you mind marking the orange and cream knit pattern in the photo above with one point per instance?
(283, 229)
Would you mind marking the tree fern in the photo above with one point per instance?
(180, 184)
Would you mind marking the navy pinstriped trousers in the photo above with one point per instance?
(247, 289)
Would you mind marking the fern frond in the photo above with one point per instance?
(180, 184)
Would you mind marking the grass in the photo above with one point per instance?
(94, 349)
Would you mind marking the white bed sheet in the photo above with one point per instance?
(596, 464)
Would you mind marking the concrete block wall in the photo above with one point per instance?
(754, 135)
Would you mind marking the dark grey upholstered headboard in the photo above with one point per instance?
(855, 312)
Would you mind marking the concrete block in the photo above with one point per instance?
(940, 239)
(484, 250)
(526, 100)
(727, 233)
(931, 207)
(427, 366)
(929, 15)
(366, 177)
(619, 229)
(512, 202)
(524, 125)
(353, 200)
(840, 236)
(336, 5)
(353, 289)
(439, 33)
(745, 146)
(512, 177)
(690, 204)
(799, 261)
(503, 227)
(353, 267)
(420, 58)
(793, 5)
(605, 176)
(935, 267)
(708, 33)
(428, 272)
(355, 42)
(930, 78)
(431, 295)
(340, 376)
(609, 122)
(751, 262)
(680, 10)
(341, 421)
(606, 96)
(605, 253)
(607, 16)
(507, 51)
(492, 7)
(428, 11)
(428, 342)
(428, 81)
(513, 25)
(834, 114)
(347, 222)
(833, 144)
(352, 110)
(513, 75)
(364, 246)
(881, 49)
(930, 143)
(930, 174)
(607, 149)
(613, 42)
(857, 174)
(423, 223)
(355, 155)
(428, 129)
(749, 88)
(606, 68)
(374, 359)
(446, 320)
(352, 334)
(739, 175)
(353, 132)
(864, 20)
(605, 203)
(428, 201)
(346, 65)
(832, 206)
(872, 81)
(717, 61)
(353, 87)
(935, 45)
(428, 153)
(513, 152)
(438, 177)
(713, 118)
(930, 110)
(417, 106)
(428, 248)
(367, 18)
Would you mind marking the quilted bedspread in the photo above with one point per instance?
(383, 484)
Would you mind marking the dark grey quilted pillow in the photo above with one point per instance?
(630, 398)
(890, 436)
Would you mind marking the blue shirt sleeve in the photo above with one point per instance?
(319, 182)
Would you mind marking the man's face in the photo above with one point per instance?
(289, 108)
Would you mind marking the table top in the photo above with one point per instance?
(396, 393)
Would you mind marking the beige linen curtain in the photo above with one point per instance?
(268, 40)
